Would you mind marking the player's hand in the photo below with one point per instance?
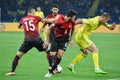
(72, 43)
(41, 30)
(112, 27)
(119, 28)
(46, 43)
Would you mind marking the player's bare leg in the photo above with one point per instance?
(78, 58)
(56, 62)
(94, 49)
(15, 63)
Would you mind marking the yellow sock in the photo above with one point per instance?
(95, 60)
(77, 58)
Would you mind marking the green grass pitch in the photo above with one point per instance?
(33, 65)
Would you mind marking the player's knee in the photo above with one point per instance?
(85, 51)
(52, 53)
(19, 54)
(59, 55)
(85, 54)
(95, 50)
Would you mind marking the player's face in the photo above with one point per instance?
(55, 10)
(104, 19)
(33, 12)
(71, 18)
(38, 8)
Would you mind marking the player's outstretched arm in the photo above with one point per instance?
(119, 28)
(51, 20)
(78, 21)
(46, 42)
(112, 26)
(48, 35)
(20, 26)
(71, 42)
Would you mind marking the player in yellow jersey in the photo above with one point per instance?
(40, 13)
(85, 44)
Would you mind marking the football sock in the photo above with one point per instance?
(77, 58)
(15, 63)
(95, 60)
(48, 55)
(57, 61)
(51, 60)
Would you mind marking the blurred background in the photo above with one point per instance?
(14, 10)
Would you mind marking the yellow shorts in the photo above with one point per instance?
(83, 41)
(40, 25)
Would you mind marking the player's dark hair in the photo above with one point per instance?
(55, 5)
(71, 13)
(105, 14)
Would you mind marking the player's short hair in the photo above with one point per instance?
(71, 13)
(31, 10)
(105, 14)
(38, 7)
(55, 5)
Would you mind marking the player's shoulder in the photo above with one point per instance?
(59, 20)
(35, 16)
(61, 16)
(96, 17)
(49, 16)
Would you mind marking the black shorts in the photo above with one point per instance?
(58, 43)
(51, 37)
(27, 45)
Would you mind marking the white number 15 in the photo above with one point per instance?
(30, 26)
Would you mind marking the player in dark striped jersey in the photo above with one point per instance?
(62, 34)
(32, 37)
(55, 10)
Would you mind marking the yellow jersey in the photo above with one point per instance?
(40, 14)
(89, 25)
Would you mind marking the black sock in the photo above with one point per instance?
(57, 61)
(51, 60)
(15, 63)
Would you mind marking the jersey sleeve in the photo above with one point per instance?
(85, 21)
(106, 25)
(90, 21)
(39, 18)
